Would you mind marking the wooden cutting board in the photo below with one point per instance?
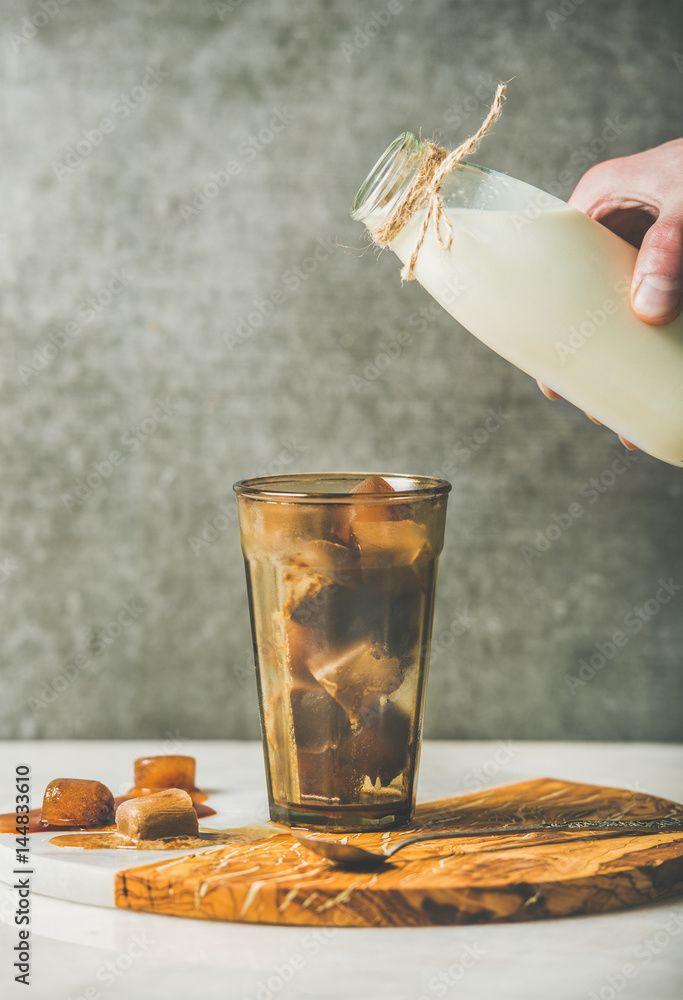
(478, 880)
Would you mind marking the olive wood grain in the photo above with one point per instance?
(515, 877)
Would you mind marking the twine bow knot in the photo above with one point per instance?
(426, 187)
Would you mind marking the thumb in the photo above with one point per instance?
(658, 275)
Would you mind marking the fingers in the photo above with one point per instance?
(639, 198)
(548, 393)
(551, 394)
(628, 444)
(590, 193)
(658, 276)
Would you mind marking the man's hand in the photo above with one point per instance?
(640, 198)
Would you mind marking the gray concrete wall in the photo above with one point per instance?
(172, 370)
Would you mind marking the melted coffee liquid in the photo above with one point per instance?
(8, 821)
(108, 840)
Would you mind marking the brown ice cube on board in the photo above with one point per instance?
(356, 675)
(394, 543)
(165, 771)
(169, 813)
(381, 748)
(77, 802)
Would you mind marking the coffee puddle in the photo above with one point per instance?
(108, 840)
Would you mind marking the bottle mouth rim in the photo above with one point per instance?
(385, 182)
(385, 185)
(296, 488)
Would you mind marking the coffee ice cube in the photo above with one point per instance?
(319, 721)
(348, 513)
(329, 776)
(77, 802)
(300, 644)
(381, 748)
(373, 484)
(165, 771)
(335, 614)
(314, 567)
(356, 675)
(169, 813)
(271, 527)
(394, 543)
(397, 602)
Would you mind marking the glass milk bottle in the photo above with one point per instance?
(545, 287)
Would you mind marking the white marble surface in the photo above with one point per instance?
(87, 951)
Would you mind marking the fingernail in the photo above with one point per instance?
(657, 296)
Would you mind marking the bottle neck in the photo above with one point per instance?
(388, 180)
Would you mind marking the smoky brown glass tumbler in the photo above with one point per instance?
(341, 573)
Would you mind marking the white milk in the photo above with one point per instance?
(551, 294)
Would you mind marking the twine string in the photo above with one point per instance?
(426, 188)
